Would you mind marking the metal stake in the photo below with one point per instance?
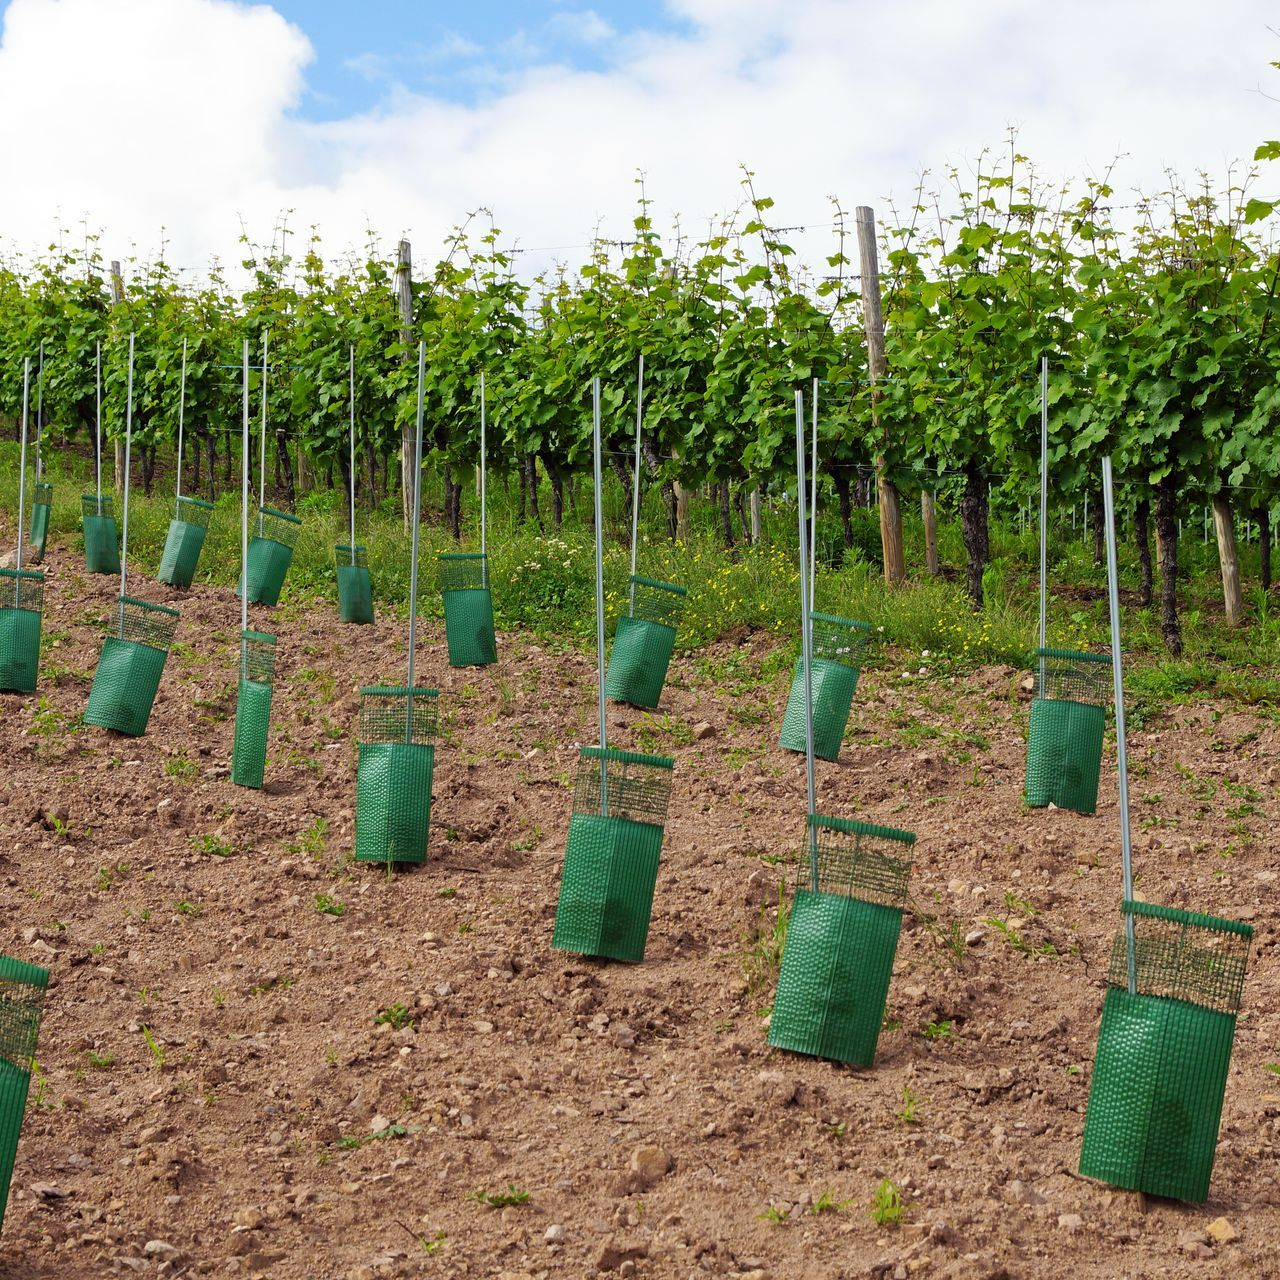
(1122, 761)
(244, 505)
(182, 402)
(413, 561)
(40, 412)
(351, 396)
(128, 454)
(595, 449)
(813, 510)
(22, 472)
(806, 646)
(484, 545)
(635, 484)
(262, 444)
(1044, 498)
(97, 430)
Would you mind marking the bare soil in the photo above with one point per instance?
(529, 1068)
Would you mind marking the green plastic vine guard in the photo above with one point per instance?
(270, 554)
(841, 941)
(184, 541)
(468, 609)
(1068, 713)
(253, 708)
(22, 992)
(21, 614)
(838, 646)
(393, 773)
(132, 661)
(355, 591)
(101, 537)
(1160, 1071)
(41, 507)
(643, 643)
(611, 859)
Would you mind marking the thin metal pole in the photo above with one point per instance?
(182, 402)
(1122, 760)
(128, 454)
(484, 543)
(595, 457)
(351, 396)
(806, 646)
(244, 504)
(813, 510)
(40, 411)
(97, 430)
(1044, 499)
(413, 561)
(262, 444)
(635, 483)
(22, 470)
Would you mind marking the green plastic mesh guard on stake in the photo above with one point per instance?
(842, 938)
(1160, 1072)
(41, 506)
(838, 646)
(22, 990)
(253, 708)
(21, 613)
(643, 643)
(468, 610)
(184, 541)
(1068, 713)
(355, 591)
(270, 554)
(101, 548)
(611, 860)
(132, 661)
(393, 773)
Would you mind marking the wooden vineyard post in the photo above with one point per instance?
(1228, 558)
(117, 300)
(930, 517)
(404, 297)
(890, 513)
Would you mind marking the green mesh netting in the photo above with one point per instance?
(101, 545)
(355, 590)
(132, 661)
(22, 993)
(1064, 744)
(184, 541)
(1160, 1071)
(270, 554)
(842, 938)
(468, 609)
(394, 773)
(838, 646)
(41, 507)
(21, 615)
(643, 643)
(253, 708)
(611, 859)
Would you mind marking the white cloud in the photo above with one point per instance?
(140, 113)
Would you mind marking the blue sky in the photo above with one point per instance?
(459, 52)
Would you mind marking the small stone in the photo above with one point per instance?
(650, 1164)
(1220, 1231)
(554, 1234)
(1023, 1193)
(1027, 684)
(703, 730)
(47, 1191)
(1071, 1222)
(623, 1036)
(973, 937)
(379, 1123)
(247, 1217)
(483, 1027)
(159, 1249)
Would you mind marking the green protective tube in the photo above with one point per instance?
(22, 992)
(393, 801)
(1064, 754)
(21, 616)
(40, 511)
(184, 542)
(125, 686)
(468, 627)
(606, 887)
(834, 685)
(638, 661)
(249, 749)
(101, 537)
(268, 564)
(355, 590)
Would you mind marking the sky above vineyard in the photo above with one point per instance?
(177, 122)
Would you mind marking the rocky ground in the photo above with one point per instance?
(259, 1059)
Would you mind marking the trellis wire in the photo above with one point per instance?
(413, 560)
(635, 484)
(595, 461)
(1044, 497)
(182, 403)
(351, 396)
(244, 496)
(22, 465)
(128, 454)
(806, 647)
(1122, 761)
